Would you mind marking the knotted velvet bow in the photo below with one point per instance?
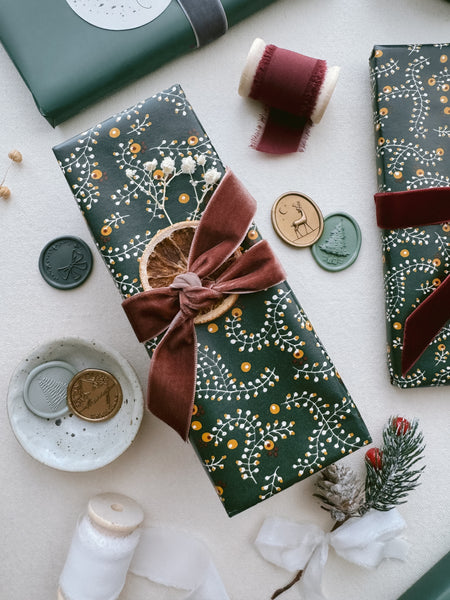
(414, 208)
(223, 226)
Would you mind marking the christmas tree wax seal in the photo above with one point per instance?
(338, 247)
(45, 389)
(65, 262)
(94, 395)
(297, 219)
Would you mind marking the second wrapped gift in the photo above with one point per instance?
(410, 86)
(269, 406)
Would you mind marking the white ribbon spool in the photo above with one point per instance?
(107, 543)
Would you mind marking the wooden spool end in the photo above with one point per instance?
(112, 514)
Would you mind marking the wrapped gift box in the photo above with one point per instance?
(411, 95)
(68, 63)
(434, 585)
(270, 408)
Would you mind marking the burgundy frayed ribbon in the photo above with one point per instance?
(288, 83)
(415, 208)
(172, 309)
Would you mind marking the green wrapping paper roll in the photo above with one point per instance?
(411, 101)
(434, 585)
(68, 63)
(270, 408)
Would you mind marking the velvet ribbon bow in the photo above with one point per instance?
(415, 208)
(172, 309)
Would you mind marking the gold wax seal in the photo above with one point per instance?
(94, 395)
(297, 219)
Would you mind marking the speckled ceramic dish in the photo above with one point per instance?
(69, 443)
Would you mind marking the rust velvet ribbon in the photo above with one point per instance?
(172, 309)
(413, 208)
(288, 83)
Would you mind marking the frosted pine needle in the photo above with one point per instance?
(394, 473)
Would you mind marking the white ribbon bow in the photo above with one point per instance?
(364, 541)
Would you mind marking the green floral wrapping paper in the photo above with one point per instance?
(270, 407)
(411, 93)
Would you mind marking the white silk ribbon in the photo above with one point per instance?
(364, 541)
(97, 563)
(176, 559)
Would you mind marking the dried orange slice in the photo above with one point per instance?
(166, 256)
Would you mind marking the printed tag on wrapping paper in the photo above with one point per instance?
(118, 14)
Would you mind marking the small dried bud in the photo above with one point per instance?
(5, 192)
(15, 156)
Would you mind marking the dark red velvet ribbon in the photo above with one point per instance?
(288, 83)
(414, 208)
(222, 228)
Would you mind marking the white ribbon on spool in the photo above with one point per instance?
(176, 559)
(107, 543)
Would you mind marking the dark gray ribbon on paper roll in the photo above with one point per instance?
(207, 18)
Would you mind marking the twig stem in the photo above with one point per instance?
(286, 587)
(300, 573)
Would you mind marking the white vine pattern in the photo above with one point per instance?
(258, 437)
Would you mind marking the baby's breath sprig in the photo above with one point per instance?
(16, 157)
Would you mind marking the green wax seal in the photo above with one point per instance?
(65, 262)
(338, 246)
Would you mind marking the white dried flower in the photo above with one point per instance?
(130, 173)
(188, 165)
(167, 165)
(150, 165)
(212, 176)
(201, 160)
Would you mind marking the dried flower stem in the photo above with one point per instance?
(6, 173)
(16, 157)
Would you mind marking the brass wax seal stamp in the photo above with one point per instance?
(297, 219)
(94, 395)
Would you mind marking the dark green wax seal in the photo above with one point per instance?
(338, 246)
(65, 262)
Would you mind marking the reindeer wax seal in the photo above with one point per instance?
(297, 219)
(94, 395)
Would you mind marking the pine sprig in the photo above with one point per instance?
(391, 474)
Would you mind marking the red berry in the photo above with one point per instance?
(400, 425)
(374, 457)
